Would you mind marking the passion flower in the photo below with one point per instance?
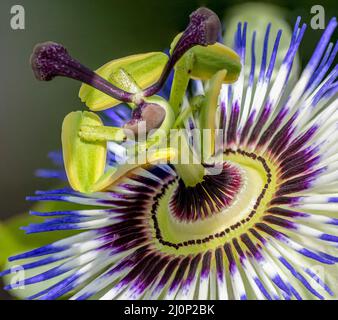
(257, 228)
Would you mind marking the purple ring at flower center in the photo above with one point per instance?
(209, 197)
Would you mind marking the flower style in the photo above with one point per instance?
(251, 220)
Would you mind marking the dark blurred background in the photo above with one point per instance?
(94, 32)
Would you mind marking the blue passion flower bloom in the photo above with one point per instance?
(256, 229)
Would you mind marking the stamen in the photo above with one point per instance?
(203, 29)
(51, 59)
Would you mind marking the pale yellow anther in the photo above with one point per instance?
(84, 161)
(130, 73)
(101, 133)
(210, 59)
